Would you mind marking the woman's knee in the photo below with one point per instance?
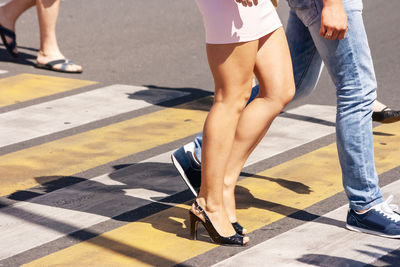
(281, 96)
(287, 93)
(234, 97)
(232, 106)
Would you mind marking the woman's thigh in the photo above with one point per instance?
(274, 67)
(232, 68)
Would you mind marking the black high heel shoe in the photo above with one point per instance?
(238, 228)
(236, 239)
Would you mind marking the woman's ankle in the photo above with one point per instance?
(209, 205)
(230, 203)
(6, 20)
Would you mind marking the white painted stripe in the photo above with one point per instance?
(323, 242)
(61, 114)
(3, 71)
(106, 196)
(286, 133)
(146, 194)
(106, 180)
(31, 221)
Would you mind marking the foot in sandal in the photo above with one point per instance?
(57, 62)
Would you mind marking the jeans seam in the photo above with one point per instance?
(363, 171)
(303, 75)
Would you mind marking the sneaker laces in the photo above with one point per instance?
(388, 209)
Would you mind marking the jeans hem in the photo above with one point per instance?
(369, 205)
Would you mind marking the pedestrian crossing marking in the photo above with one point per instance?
(262, 199)
(23, 87)
(76, 110)
(279, 139)
(25, 216)
(325, 236)
(67, 156)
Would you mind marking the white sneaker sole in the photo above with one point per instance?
(362, 230)
(183, 175)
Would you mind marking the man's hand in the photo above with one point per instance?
(246, 2)
(333, 20)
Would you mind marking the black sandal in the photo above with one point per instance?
(9, 46)
(235, 240)
(64, 67)
(238, 228)
(386, 115)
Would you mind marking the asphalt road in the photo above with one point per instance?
(161, 43)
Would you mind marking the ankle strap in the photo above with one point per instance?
(197, 206)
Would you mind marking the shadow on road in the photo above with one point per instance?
(147, 192)
(23, 57)
(390, 259)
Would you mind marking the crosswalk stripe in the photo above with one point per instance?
(25, 87)
(293, 128)
(262, 199)
(131, 196)
(69, 112)
(280, 138)
(67, 156)
(317, 241)
(24, 217)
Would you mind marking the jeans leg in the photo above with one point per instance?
(197, 146)
(350, 66)
(307, 63)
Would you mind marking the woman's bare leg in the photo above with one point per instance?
(275, 75)
(10, 12)
(232, 68)
(47, 11)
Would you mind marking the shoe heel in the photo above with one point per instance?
(194, 220)
(236, 239)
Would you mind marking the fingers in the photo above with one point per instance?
(333, 34)
(342, 35)
(322, 30)
(248, 3)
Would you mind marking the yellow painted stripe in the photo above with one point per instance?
(36, 165)
(163, 238)
(25, 87)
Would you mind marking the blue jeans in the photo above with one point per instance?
(350, 66)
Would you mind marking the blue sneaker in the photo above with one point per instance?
(187, 166)
(381, 220)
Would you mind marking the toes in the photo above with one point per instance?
(74, 67)
(70, 67)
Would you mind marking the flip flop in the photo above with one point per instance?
(9, 46)
(64, 67)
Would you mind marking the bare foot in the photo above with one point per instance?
(378, 106)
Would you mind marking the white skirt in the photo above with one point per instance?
(226, 21)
